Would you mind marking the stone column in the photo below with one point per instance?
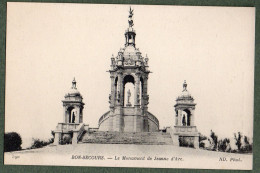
(141, 94)
(145, 89)
(123, 100)
(64, 114)
(137, 90)
(176, 118)
(115, 94)
(179, 117)
(121, 89)
(191, 117)
(138, 120)
(117, 114)
(80, 114)
(67, 116)
(77, 115)
(145, 102)
(112, 99)
(144, 93)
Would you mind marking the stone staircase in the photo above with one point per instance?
(145, 138)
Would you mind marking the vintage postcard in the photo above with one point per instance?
(129, 86)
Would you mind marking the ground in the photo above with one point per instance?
(129, 155)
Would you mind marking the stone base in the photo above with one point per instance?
(141, 138)
(68, 133)
(128, 119)
(186, 136)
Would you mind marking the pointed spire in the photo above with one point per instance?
(74, 84)
(130, 32)
(184, 86)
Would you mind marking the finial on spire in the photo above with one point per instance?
(184, 86)
(130, 20)
(130, 32)
(74, 83)
(131, 12)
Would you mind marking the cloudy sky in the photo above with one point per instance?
(212, 48)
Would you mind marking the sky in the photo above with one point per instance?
(48, 44)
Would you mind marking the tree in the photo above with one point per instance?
(214, 139)
(12, 142)
(247, 148)
(246, 140)
(238, 140)
(38, 143)
(201, 139)
(223, 145)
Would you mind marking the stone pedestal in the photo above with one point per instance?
(75, 137)
(117, 119)
(175, 140)
(196, 142)
(57, 138)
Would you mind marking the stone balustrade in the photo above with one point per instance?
(185, 129)
(153, 118)
(67, 126)
(103, 117)
(74, 130)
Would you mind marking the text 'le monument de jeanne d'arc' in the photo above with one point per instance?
(126, 122)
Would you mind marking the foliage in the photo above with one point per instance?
(201, 139)
(247, 147)
(186, 142)
(37, 143)
(224, 145)
(238, 139)
(214, 138)
(66, 139)
(242, 142)
(12, 142)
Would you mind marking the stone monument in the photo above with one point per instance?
(72, 125)
(184, 132)
(129, 66)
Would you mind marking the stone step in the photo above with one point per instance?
(152, 138)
